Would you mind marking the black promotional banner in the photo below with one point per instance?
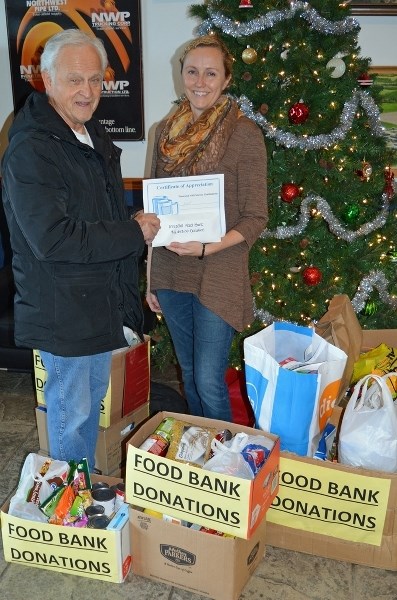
(117, 23)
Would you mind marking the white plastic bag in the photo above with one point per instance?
(368, 433)
(56, 473)
(228, 456)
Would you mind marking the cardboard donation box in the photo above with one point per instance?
(329, 509)
(110, 454)
(96, 553)
(225, 503)
(129, 385)
(202, 563)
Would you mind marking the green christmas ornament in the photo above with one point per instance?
(370, 308)
(351, 213)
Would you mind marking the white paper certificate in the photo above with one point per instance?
(189, 208)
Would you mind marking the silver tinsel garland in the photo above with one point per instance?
(284, 232)
(235, 29)
(314, 142)
(374, 280)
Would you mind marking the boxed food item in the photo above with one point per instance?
(203, 563)
(96, 553)
(227, 503)
(110, 454)
(329, 509)
(129, 385)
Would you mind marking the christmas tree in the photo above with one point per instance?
(299, 75)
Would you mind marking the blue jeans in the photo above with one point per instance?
(73, 392)
(202, 342)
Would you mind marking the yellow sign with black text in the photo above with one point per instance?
(96, 553)
(320, 499)
(227, 503)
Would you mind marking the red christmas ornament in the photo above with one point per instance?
(311, 275)
(245, 4)
(389, 187)
(298, 113)
(289, 191)
(365, 80)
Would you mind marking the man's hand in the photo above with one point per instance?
(149, 223)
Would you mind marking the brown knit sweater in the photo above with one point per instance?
(221, 280)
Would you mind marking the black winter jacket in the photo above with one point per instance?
(75, 252)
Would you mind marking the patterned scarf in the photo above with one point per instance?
(193, 148)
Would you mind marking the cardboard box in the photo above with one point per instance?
(137, 378)
(229, 504)
(95, 553)
(110, 453)
(129, 385)
(202, 563)
(332, 510)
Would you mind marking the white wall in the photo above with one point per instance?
(166, 27)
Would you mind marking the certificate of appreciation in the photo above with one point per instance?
(190, 209)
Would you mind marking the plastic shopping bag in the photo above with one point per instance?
(242, 456)
(39, 477)
(293, 403)
(368, 432)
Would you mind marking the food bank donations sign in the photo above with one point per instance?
(330, 501)
(117, 23)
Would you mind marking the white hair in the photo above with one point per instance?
(69, 37)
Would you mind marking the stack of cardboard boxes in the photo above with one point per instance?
(328, 509)
(214, 565)
(322, 508)
(204, 563)
(125, 405)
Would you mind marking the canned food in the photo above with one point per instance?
(119, 490)
(98, 522)
(98, 485)
(105, 497)
(94, 510)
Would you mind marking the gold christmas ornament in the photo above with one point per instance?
(249, 55)
(367, 170)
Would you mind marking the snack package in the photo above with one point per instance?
(326, 443)
(190, 443)
(381, 360)
(63, 506)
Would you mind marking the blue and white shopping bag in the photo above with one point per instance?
(293, 379)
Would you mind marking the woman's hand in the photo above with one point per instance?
(186, 248)
(153, 302)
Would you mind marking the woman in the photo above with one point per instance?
(203, 290)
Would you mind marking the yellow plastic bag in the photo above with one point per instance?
(378, 361)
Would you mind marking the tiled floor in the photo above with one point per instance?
(281, 575)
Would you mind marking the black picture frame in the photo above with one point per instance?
(376, 7)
